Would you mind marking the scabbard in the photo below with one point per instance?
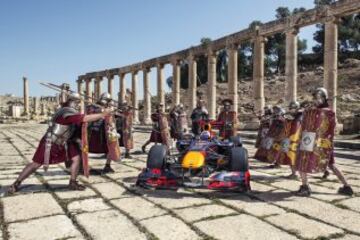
(47, 152)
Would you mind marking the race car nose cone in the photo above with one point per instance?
(193, 160)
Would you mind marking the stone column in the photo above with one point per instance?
(122, 87)
(135, 104)
(258, 74)
(330, 60)
(291, 64)
(43, 109)
(160, 84)
(94, 90)
(80, 91)
(147, 96)
(110, 85)
(88, 89)
(26, 96)
(36, 105)
(98, 87)
(232, 51)
(212, 84)
(176, 83)
(192, 80)
(79, 86)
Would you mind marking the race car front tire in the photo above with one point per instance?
(156, 157)
(239, 161)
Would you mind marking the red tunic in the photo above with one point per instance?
(155, 133)
(96, 133)
(229, 120)
(272, 135)
(124, 128)
(316, 149)
(58, 153)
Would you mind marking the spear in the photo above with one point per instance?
(68, 92)
(60, 89)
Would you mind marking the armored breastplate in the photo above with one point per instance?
(59, 133)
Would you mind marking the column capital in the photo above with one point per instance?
(99, 78)
(109, 75)
(210, 52)
(191, 56)
(292, 30)
(160, 65)
(231, 44)
(134, 71)
(259, 39)
(175, 60)
(146, 69)
(331, 19)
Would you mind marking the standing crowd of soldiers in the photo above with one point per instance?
(302, 137)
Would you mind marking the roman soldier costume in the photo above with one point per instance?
(316, 150)
(124, 126)
(227, 120)
(198, 115)
(160, 132)
(265, 121)
(178, 122)
(285, 147)
(272, 136)
(102, 133)
(61, 143)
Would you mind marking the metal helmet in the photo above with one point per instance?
(268, 109)
(323, 92)
(278, 111)
(105, 98)
(74, 97)
(294, 105)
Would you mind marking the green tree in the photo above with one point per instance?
(348, 32)
(276, 45)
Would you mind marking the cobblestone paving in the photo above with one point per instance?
(112, 208)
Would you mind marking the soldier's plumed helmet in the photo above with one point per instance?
(322, 91)
(105, 96)
(278, 111)
(227, 102)
(294, 105)
(74, 97)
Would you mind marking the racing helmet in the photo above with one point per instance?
(205, 135)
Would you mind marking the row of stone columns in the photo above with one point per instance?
(291, 70)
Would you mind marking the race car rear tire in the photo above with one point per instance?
(239, 161)
(156, 157)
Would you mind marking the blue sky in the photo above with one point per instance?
(55, 41)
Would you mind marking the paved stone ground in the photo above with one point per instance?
(112, 208)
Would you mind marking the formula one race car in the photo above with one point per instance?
(223, 162)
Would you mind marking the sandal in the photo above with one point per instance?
(75, 186)
(13, 188)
